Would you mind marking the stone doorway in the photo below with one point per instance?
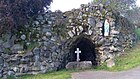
(87, 48)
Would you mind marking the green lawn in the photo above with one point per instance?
(64, 74)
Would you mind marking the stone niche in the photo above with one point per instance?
(87, 48)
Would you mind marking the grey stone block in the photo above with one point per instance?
(79, 65)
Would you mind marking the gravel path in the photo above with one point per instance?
(130, 74)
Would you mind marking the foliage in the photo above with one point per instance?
(134, 15)
(127, 8)
(31, 34)
(17, 13)
(117, 5)
(7, 50)
(60, 28)
(138, 32)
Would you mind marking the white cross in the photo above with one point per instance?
(78, 52)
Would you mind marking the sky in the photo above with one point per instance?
(66, 5)
(138, 3)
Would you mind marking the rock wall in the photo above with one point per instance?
(44, 45)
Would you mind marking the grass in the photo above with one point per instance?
(124, 62)
(128, 60)
(63, 74)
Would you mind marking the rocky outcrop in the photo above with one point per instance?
(46, 46)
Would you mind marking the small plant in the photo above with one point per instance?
(32, 46)
(11, 77)
(137, 31)
(7, 50)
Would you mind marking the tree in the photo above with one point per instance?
(118, 5)
(134, 15)
(127, 8)
(16, 13)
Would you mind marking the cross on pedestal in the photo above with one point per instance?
(78, 52)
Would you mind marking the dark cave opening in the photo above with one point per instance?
(87, 48)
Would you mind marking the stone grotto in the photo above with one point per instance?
(51, 42)
(87, 47)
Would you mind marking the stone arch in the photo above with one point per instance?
(87, 47)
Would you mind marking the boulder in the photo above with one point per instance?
(114, 32)
(48, 34)
(92, 21)
(110, 63)
(1, 49)
(1, 62)
(6, 45)
(1, 41)
(23, 37)
(11, 72)
(1, 74)
(36, 50)
(17, 47)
